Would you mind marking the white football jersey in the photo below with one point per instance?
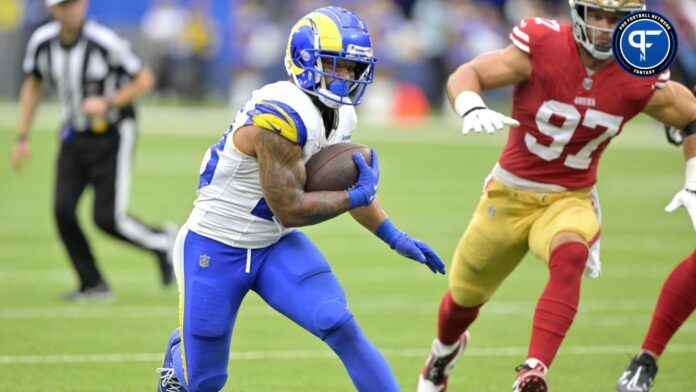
(230, 207)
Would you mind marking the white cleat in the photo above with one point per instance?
(437, 369)
(531, 377)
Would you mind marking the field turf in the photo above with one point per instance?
(431, 181)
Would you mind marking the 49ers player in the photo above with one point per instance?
(570, 99)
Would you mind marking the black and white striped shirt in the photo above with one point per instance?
(98, 63)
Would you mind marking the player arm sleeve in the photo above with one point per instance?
(280, 118)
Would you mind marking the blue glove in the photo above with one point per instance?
(365, 189)
(409, 247)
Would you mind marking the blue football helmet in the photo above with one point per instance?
(322, 40)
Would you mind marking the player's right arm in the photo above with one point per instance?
(491, 70)
(675, 105)
(29, 98)
(282, 175)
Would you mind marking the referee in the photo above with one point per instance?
(96, 76)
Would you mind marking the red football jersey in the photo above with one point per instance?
(567, 116)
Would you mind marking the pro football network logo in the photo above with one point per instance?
(645, 43)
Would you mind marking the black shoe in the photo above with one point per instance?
(98, 293)
(165, 267)
(164, 257)
(639, 375)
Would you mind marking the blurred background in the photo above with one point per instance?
(208, 55)
(220, 50)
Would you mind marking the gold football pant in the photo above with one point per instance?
(506, 224)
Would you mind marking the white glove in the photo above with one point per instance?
(687, 199)
(477, 116)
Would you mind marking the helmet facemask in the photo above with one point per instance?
(333, 89)
(587, 35)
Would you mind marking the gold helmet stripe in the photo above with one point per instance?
(329, 36)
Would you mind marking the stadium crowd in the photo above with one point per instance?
(203, 49)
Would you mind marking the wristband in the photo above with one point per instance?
(690, 183)
(467, 102)
(388, 233)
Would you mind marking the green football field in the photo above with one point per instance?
(431, 180)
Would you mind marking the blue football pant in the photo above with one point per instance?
(293, 277)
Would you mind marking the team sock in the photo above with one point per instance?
(559, 302)
(453, 320)
(676, 302)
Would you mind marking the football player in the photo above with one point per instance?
(676, 302)
(571, 98)
(240, 235)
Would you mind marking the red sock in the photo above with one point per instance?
(677, 301)
(559, 302)
(453, 319)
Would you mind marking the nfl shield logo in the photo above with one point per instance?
(587, 84)
(204, 261)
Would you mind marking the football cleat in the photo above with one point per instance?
(437, 369)
(168, 381)
(98, 293)
(165, 258)
(531, 377)
(639, 376)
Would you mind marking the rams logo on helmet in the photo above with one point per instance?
(322, 41)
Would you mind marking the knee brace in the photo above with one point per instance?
(329, 316)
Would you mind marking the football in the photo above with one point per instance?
(333, 167)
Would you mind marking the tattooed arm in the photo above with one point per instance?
(282, 175)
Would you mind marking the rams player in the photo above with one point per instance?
(240, 235)
(570, 99)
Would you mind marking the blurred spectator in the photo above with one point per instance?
(196, 46)
(161, 26)
(683, 14)
(429, 16)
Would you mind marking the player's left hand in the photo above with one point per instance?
(95, 106)
(420, 252)
(684, 198)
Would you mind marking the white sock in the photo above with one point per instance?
(443, 350)
(533, 362)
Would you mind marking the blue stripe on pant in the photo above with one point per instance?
(295, 279)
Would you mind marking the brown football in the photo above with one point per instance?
(333, 167)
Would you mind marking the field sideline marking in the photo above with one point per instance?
(605, 308)
(316, 354)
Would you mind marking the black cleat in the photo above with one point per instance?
(165, 257)
(639, 376)
(98, 293)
